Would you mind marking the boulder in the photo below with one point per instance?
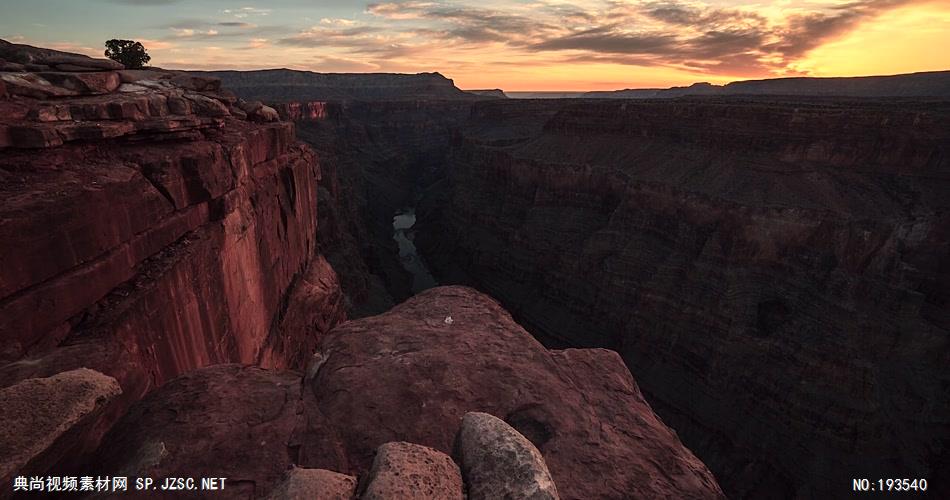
(314, 484)
(66, 58)
(99, 82)
(265, 114)
(405, 470)
(76, 68)
(33, 85)
(258, 111)
(11, 66)
(498, 462)
(42, 419)
(250, 106)
(207, 106)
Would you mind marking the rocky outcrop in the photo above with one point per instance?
(451, 350)
(774, 273)
(20, 58)
(151, 229)
(232, 421)
(60, 408)
(385, 400)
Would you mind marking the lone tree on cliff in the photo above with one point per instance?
(128, 52)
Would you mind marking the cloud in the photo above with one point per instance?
(155, 44)
(321, 36)
(247, 11)
(330, 64)
(337, 22)
(711, 39)
(613, 41)
(199, 29)
(806, 31)
(193, 33)
(144, 3)
(463, 23)
(694, 36)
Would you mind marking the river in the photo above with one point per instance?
(403, 221)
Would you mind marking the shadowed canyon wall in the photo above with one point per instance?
(775, 274)
(772, 270)
(379, 157)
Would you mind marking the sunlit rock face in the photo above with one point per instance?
(775, 274)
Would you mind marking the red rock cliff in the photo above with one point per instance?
(151, 227)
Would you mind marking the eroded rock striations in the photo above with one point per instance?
(773, 272)
(150, 229)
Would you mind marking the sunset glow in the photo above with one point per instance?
(514, 45)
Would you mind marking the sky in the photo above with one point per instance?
(529, 45)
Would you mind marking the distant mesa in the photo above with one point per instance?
(926, 84)
(489, 93)
(285, 85)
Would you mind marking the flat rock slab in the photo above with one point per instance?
(498, 462)
(38, 56)
(228, 421)
(37, 412)
(411, 374)
(406, 470)
(314, 484)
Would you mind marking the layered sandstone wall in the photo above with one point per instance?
(774, 274)
(151, 227)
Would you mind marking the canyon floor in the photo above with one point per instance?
(389, 288)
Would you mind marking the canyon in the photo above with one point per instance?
(181, 282)
(745, 291)
(773, 270)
